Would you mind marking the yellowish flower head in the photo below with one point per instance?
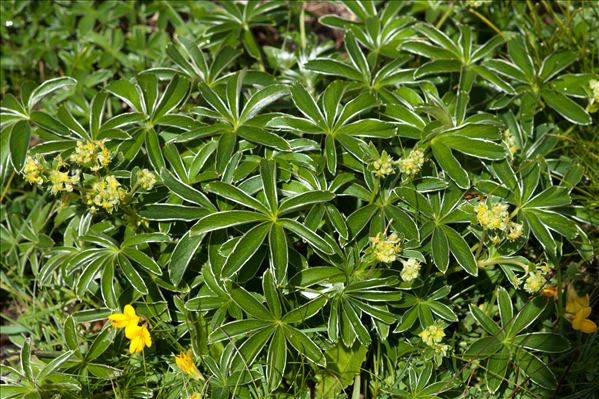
(385, 249)
(432, 335)
(383, 166)
(550, 292)
(186, 364)
(122, 320)
(411, 268)
(195, 395)
(575, 303)
(146, 179)
(33, 171)
(510, 141)
(92, 154)
(582, 323)
(140, 338)
(594, 85)
(494, 217)
(412, 164)
(535, 282)
(61, 181)
(514, 231)
(106, 193)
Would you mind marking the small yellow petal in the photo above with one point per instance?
(588, 326)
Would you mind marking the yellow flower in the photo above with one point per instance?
(195, 395)
(411, 268)
(139, 336)
(61, 181)
(33, 170)
(383, 166)
(594, 85)
(385, 248)
(185, 363)
(146, 179)
(432, 335)
(412, 164)
(574, 303)
(578, 311)
(91, 154)
(515, 231)
(550, 292)
(106, 193)
(494, 217)
(535, 282)
(582, 323)
(126, 319)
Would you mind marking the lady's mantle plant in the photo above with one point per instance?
(375, 219)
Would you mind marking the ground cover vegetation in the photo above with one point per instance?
(365, 199)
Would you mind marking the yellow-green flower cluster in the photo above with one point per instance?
(61, 181)
(146, 179)
(384, 165)
(594, 85)
(92, 154)
(412, 163)
(534, 282)
(106, 193)
(411, 268)
(510, 141)
(33, 171)
(492, 217)
(514, 231)
(385, 249)
(432, 336)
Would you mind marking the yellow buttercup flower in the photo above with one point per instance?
(578, 311)
(125, 319)
(185, 363)
(385, 248)
(139, 336)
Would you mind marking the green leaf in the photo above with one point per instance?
(306, 311)
(543, 342)
(519, 54)
(304, 345)
(310, 236)
(225, 219)
(450, 165)
(276, 359)
(181, 257)
(355, 54)
(484, 347)
(153, 148)
(440, 249)
(556, 62)
(461, 251)
(170, 212)
(497, 367)
(536, 370)
(506, 310)
(185, 191)
(485, 321)
(279, 257)
(100, 344)
(335, 68)
(127, 92)
(132, 275)
(262, 99)
(268, 175)
(19, 143)
(143, 260)
(25, 359)
(485, 149)
(48, 87)
(236, 195)
(306, 104)
(54, 365)
(566, 107)
(245, 247)
(70, 334)
(527, 315)
(299, 201)
(250, 304)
